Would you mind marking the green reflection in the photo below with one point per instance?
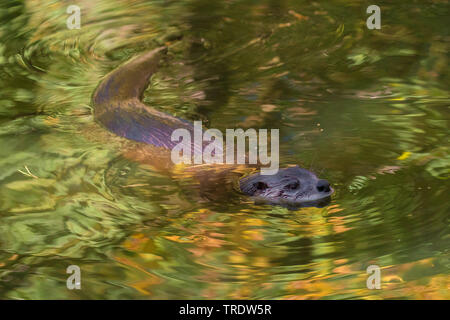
(368, 109)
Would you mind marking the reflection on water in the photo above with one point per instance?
(366, 109)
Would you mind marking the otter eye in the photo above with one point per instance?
(260, 185)
(293, 185)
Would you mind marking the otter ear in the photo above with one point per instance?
(260, 185)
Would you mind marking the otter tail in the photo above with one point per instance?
(118, 107)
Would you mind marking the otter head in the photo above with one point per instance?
(291, 187)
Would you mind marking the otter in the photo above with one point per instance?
(118, 106)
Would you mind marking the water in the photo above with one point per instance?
(367, 109)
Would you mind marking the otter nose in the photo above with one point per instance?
(323, 186)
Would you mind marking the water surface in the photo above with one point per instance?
(366, 109)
